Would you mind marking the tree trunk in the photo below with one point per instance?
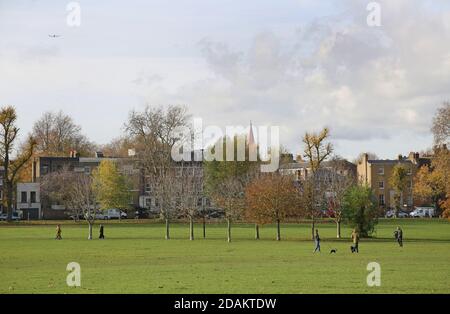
(204, 227)
(278, 230)
(229, 229)
(313, 227)
(90, 231)
(256, 231)
(9, 200)
(338, 225)
(438, 211)
(167, 229)
(191, 228)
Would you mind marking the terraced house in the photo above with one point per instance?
(377, 174)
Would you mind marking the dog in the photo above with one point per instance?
(333, 251)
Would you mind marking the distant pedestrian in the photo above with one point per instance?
(355, 238)
(58, 232)
(102, 232)
(317, 242)
(399, 236)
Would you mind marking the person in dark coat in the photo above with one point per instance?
(399, 236)
(102, 232)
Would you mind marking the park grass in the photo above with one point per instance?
(135, 258)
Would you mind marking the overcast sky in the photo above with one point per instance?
(298, 64)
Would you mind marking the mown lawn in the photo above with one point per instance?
(135, 258)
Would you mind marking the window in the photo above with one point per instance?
(381, 171)
(33, 197)
(148, 188)
(23, 197)
(87, 170)
(381, 200)
(381, 185)
(45, 169)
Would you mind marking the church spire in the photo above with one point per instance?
(251, 136)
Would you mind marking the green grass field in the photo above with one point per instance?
(136, 259)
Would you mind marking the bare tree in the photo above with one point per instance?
(153, 132)
(441, 125)
(56, 134)
(317, 150)
(339, 179)
(72, 190)
(189, 191)
(230, 196)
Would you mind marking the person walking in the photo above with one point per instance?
(102, 232)
(399, 236)
(317, 242)
(58, 232)
(355, 238)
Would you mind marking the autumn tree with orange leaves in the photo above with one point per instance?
(271, 198)
(432, 183)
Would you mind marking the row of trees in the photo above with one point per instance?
(247, 195)
(236, 187)
(233, 186)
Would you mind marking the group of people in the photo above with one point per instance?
(59, 232)
(398, 234)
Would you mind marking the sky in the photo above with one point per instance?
(297, 64)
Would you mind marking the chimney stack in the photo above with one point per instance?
(365, 158)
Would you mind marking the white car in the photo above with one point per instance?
(422, 212)
(114, 214)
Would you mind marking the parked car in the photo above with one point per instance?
(77, 217)
(212, 213)
(101, 216)
(422, 212)
(114, 213)
(400, 214)
(15, 217)
(141, 213)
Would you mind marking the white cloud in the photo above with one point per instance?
(370, 85)
(364, 83)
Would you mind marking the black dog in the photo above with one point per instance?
(333, 251)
